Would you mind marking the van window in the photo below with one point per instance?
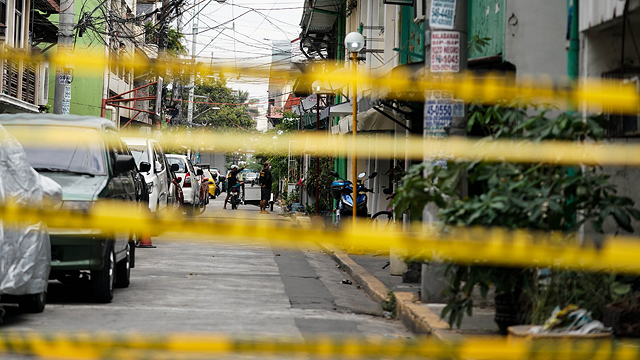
(159, 157)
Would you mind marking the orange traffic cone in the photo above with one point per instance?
(145, 242)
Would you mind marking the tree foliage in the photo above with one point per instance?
(232, 114)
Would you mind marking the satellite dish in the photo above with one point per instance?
(338, 79)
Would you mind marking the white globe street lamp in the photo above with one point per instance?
(354, 42)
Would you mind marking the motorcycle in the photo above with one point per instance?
(234, 196)
(342, 190)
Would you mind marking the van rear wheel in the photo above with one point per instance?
(123, 270)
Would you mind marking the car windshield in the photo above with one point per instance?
(179, 162)
(83, 152)
(207, 174)
(140, 154)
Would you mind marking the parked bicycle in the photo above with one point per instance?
(383, 220)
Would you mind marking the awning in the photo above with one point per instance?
(346, 108)
(368, 121)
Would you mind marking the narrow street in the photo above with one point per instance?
(236, 288)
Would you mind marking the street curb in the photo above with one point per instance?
(374, 287)
(417, 318)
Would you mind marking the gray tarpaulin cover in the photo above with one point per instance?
(25, 250)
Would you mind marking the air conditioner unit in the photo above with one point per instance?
(419, 11)
(43, 83)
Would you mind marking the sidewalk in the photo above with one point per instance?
(418, 317)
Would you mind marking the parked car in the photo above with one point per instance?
(176, 196)
(183, 169)
(94, 165)
(250, 178)
(212, 183)
(157, 178)
(204, 188)
(26, 249)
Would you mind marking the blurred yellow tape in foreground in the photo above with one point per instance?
(594, 94)
(462, 245)
(143, 346)
(382, 146)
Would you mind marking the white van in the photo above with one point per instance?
(157, 178)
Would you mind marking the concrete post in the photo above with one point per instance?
(433, 281)
(62, 102)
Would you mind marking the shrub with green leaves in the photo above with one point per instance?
(534, 196)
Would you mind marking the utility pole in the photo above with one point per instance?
(62, 94)
(193, 59)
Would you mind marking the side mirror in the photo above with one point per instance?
(199, 172)
(124, 163)
(145, 166)
(175, 167)
(373, 174)
(387, 191)
(362, 175)
(179, 179)
(334, 174)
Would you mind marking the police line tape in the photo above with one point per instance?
(381, 146)
(470, 246)
(589, 94)
(101, 345)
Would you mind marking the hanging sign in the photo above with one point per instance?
(445, 51)
(442, 14)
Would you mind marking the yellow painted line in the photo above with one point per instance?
(594, 94)
(416, 147)
(85, 345)
(476, 246)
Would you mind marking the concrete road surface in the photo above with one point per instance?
(242, 287)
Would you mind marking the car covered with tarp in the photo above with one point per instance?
(25, 249)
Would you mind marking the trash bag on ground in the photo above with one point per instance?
(571, 321)
(25, 250)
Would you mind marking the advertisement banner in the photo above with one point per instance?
(442, 14)
(445, 51)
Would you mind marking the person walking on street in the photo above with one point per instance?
(232, 180)
(265, 182)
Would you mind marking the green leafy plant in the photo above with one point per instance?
(539, 197)
(477, 44)
(390, 304)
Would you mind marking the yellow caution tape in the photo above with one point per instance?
(463, 246)
(592, 94)
(86, 345)
(383, 146)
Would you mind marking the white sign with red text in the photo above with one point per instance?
(445, 51)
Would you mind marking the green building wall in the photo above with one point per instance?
(86, 85)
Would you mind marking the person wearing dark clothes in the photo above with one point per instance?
(265, 182)
(232, 180)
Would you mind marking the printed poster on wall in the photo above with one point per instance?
(442, 14)
(438, 114)
(445, 51)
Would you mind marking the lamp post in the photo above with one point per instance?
(354, 42)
